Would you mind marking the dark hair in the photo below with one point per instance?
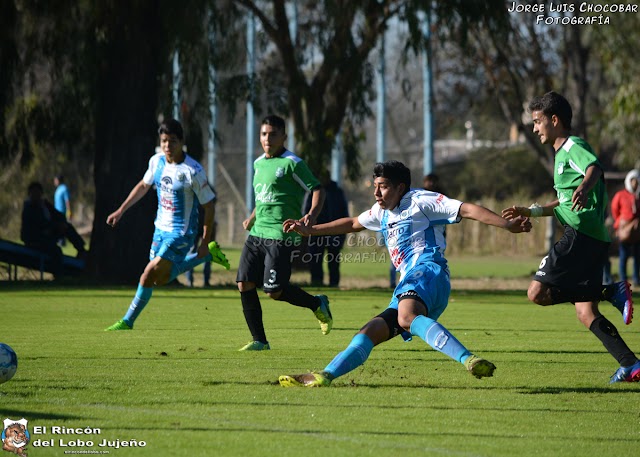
(275, 121)
(553, 103)
(60, 178)
(171, 127)
(35, 185)
(394, 171)
(435, 183)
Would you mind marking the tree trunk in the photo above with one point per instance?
(126, 135)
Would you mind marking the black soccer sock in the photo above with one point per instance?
(607, 292)
(608, 334)
(573, 295)
(253, 314)
(298, 297)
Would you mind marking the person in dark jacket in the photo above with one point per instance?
(329, 246)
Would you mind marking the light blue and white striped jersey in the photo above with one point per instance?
(415, 227)
(181, 188)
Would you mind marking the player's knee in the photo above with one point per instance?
(536, 295)
(245, 286)
(405, 320)
(274, 295)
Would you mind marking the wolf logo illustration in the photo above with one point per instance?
(15, 436)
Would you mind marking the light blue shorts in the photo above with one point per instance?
(431, 282)
(170, 246)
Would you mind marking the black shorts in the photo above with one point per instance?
(576, 259)
(267, 262)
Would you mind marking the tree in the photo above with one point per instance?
(99, 78)
(326, 69)
(592, 66)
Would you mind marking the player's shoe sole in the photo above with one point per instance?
(480, 368)
(217, 255)
(304, 380)
(120, 325)
(323, 314)
(255, 346)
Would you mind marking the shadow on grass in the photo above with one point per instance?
(32, 415)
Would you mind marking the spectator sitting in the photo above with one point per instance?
(43, 225)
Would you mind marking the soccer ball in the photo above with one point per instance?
(8, 362)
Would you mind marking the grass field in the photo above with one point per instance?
(178, 383)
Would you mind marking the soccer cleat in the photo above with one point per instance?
(305, 380)
(478, 367)
(627, 374)
(623, 301)
(218, 255)
(255, 346)
(323, 314)
(120, 325)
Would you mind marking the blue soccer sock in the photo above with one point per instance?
(189, 263)
(352, 357)
(439, 338)
(143, 294)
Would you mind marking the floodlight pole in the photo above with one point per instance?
(251, 135)
(427, 116)
(213, 117)
(176, 86)
(381, 137)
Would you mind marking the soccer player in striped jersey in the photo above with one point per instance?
(181, 185)
(411, 222)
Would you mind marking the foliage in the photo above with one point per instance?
(592, 66)
(326, 67)
(499, 173)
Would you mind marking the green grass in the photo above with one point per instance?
(178, 382)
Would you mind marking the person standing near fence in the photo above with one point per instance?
(335, 207)
(62, 201)
(625, 209)
(280, 182)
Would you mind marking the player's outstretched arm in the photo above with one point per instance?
(515, 211)
(135, 195)
(479, 213)
(337, 227)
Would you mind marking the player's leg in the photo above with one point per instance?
(277, 272)
(422, 296)
(333, 260)
(315, 250)
(143, 294)
(206, 271)
(156, 273)
(192, 260)
(636, 264)
(249, 271)
(623, 253)
(572, 272)
(167, 250)
(589, 315)
(374, 332)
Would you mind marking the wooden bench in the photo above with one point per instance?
(18, 255)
